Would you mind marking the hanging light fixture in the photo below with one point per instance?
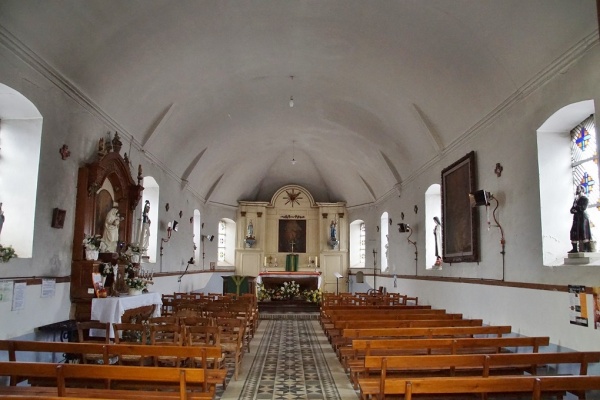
(291, 97)
(293, 143)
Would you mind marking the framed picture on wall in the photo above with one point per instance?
(460, 221)
(292, 231)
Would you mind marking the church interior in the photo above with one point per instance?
(307, 157)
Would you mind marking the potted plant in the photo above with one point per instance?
(6, 253)
(92, 244)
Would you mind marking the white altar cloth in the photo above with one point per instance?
(111, 309)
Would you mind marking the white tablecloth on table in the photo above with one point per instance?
(111, 309)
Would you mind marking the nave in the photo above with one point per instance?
(290, 358)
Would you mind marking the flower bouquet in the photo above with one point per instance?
(313, 296)
(6, 253)
(92, 245)
(289, 290)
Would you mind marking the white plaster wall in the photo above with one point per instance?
(529, 312)
(38, 311)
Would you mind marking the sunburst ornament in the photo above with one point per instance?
(292, 197)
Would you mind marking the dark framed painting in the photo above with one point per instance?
(292, 236)
(58, 218)
(460, 221)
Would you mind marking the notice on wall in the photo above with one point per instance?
(6, 289)
(48, 288)
(596, 292)
(18, 300)
(578, 312)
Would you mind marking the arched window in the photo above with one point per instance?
(433, 208)
(384, 241)
(357, 244)
(151, 194)
(555, 164)
(226, 242)
(20, 140)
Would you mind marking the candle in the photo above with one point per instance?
(265, 260)
(275, 260)
(316, 260)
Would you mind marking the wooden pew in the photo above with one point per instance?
(472, 364)
(353, 359)
(345, 340)
(213, 375)
(398, 323)
(145, 383)
(508, 385)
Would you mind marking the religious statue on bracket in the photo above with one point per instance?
(333, 241)
(144, 239)
(250, 240)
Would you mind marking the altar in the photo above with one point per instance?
(111, 309)
(307, 280)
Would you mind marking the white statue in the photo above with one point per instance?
(111, 230)
(145, 234)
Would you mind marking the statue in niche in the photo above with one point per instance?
(2, 218)
(250, 230)
(580, 229)
(110, 238)
(437, 231)
(333, 230)
(145, 233)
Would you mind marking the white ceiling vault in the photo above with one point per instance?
(380, 87)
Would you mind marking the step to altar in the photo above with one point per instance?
(582, 258)
(287, 306)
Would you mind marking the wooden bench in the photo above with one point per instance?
(421, 323)
(353, 358)
(214, 376)
(504, 385)
(471, 364)
(345, 340)
(109, 381)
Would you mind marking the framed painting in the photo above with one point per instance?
(460, 221)
(292, 236)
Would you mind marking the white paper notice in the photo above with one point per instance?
(48, 287)
(18, 301)
(6, 288)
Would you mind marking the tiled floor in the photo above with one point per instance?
(290, 359)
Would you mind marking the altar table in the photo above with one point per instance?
(307, 280)
(111, 309)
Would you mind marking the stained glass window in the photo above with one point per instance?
(362, 245)
(222, 240)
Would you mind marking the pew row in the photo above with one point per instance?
(483, 365)
(106, 381)
(505, 386)
(109, 352)
(353, 358)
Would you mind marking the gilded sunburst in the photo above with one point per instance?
(292, 197)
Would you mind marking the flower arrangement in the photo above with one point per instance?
(92, 242)
(6, 253)
(132, 281)
(263, 293)
(134, 248)
(289, 290)
(313, 296)
(106, 269)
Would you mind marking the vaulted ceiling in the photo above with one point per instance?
(380, 87)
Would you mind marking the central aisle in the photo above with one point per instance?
(290, 359)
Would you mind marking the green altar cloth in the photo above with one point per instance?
(291, 262)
